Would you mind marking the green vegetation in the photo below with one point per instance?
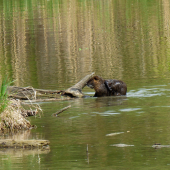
(3, 94)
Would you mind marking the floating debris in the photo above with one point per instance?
(114, 134)
(121, 145)
(158, 146)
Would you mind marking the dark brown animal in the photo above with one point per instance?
(107, 87)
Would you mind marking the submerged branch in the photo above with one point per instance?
(60, 111)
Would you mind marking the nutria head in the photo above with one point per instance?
(98, 84)
(95, 81)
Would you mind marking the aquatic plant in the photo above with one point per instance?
(3, 94)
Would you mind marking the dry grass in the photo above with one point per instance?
(11, 118)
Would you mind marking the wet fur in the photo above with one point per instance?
(107, 87)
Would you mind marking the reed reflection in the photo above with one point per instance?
(55, 44)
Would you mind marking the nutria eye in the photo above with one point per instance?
(95, 78)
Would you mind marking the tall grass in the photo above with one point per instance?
(3, 94)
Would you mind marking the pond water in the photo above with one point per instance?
(52, 44)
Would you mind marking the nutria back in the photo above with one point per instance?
(109, 87)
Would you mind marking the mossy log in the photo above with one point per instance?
(29, 93)
(11, 143)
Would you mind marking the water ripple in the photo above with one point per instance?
(143, 92)
(107, 113)
(129, 109)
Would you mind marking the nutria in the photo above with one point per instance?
(107, 87)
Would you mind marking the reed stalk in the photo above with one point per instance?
(3, 94)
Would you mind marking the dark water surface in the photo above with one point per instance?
(53, 44)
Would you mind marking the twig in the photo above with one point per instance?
(63, 109)
(87, 153)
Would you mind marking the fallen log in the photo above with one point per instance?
(12, 143)
(76, 90)
(29, 93)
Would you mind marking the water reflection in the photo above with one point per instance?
(100, 102)
(12, 155)
(57, 43)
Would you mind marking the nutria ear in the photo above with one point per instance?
(96, 77)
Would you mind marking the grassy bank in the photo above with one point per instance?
(12, 112)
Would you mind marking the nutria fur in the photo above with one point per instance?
(107, 87)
